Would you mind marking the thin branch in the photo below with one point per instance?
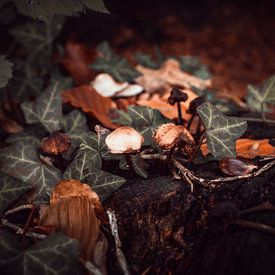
(258, 226)
(212, 182)
(20, 231)
(92, 268)
(262, 207)
(114, 229)
(256, 119)
(18, 208)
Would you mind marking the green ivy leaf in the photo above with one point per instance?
(20, 160)
(46, 109)
(139, 166)
(221, 131)
(114, 65)
(258, 97)
(146, 60)
(45, 10)
(103, 183)
(5, 71)
(10, 190)
(75, 124)
(144, 119)
(57, 254)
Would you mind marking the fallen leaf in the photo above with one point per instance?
(76, 61)
(159, 102)
(72, 210)
(249, 148)
(169, 75)
(89, 101)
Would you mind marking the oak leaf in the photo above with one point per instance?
(89, 101)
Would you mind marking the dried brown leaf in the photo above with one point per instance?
(56, 143)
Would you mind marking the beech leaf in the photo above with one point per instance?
(144, 119)
(10, 190)
(258, 96)
(5, 71)
(57, 254)
(46, 109)
(20, 160)
(221, 131)
(111, 63)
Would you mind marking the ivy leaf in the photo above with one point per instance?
(193, 65)
(139, 166)
(221, 131)
(114, 65)
(258, 97)
(103, 183)
(46, 109)
(144, 119)
(20, 160)
(10, 190)
(146, 60)
(57, 254)
(45, 10)
(75, 124)
(5, 71)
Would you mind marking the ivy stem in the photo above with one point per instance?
(180, 120)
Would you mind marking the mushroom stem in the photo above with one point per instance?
(169, 156)
(129, 162)
(198, 146)
(180, 120)
(190, 121)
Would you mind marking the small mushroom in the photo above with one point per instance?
(170, 136)
(124, 140)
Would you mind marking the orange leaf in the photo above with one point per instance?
(89, 101)
(76, 61)
(161, 103)
(249, 148)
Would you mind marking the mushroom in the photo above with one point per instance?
(124, 140)
(177, 96)
(170, 136)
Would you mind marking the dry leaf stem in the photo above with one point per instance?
(18, 208)
(114, 229)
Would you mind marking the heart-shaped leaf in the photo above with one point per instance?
(258, 96)
(114, 65)
(144, 119)
(57, 254)
(10, 190)
(46, 109)
(221, 131)
(75, 124)
(5, 71)
(20, 160)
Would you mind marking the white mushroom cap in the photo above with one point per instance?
(106, 86)
(169, 134)
(124, 140)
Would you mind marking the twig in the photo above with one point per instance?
(261, 207)
(254, 225)
(256, 119)
(92, 268)
(20, 231)
(114, 229)
(18, 208)
(212, 182)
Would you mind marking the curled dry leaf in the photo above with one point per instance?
(56, 143)
(74, 210)
(159, 102)
(89, 101)
(106, 86)
(76, 61)
(236, 167)
(169, 75)
(249, 148)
